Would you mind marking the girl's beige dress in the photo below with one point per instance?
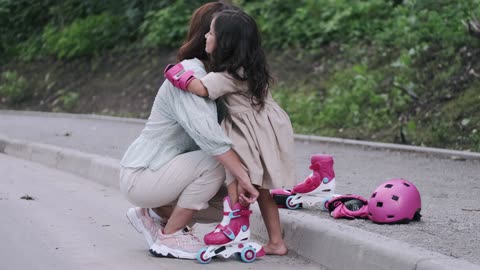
(263, 140)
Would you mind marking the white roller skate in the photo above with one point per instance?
(317, 189)
(231, 236)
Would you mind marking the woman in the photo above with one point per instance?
(163, 172)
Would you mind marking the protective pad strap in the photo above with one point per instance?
(178, 76)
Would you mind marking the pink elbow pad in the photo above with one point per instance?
(178, 76)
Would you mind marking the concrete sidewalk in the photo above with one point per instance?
(71, 223)
(90, 146)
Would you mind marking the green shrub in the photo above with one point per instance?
(168, 27)
(66, 100)
(13, 88)
(271, 17)
(19, 20)
(24, 20)
(428, 22)
(357, 99)
(302, 106)
(31, 49)
(456, 124)
(84, 36)
(311, 23)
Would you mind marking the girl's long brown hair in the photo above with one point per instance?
(239, 47)
(194, 45)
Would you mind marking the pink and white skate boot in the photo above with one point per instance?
(322, 175)
(316, 188)
(231, 236)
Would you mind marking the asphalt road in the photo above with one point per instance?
(449, 187)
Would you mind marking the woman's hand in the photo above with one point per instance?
(247, 193)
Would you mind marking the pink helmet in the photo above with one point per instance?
(395, 201)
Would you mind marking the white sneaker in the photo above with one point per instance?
(182, 244)
(144, 223)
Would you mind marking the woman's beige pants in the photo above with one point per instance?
(189, 180)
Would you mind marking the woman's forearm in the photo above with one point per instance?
(231, 161)
(247, 193)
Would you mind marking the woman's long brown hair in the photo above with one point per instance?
(194, 45)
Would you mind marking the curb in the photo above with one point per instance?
(325, 242)
(103, 170)
(338, 246)
(446, 153)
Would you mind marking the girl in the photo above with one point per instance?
(260, 130)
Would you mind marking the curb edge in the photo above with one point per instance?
(334, 246)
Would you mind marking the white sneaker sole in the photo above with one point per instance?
(164, 251)
(138, 225)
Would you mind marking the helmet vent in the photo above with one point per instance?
(374, 194)
(390, 216)
(379, 204)
(388, 185)
(395, 198)
(406, 184)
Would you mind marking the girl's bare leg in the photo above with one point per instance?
(271, 217)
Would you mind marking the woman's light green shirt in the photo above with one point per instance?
(179, 122)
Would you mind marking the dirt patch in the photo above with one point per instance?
(122, 84)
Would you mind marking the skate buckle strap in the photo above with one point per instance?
(228, 232)
(238, 213)
(178, 76)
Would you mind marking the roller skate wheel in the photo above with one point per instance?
(201, 256)
(238, 256)
(291, 205)
(324, 204)
(248, 254)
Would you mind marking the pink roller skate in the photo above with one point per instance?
(280, 197)
(318, 188)
(231, 236)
